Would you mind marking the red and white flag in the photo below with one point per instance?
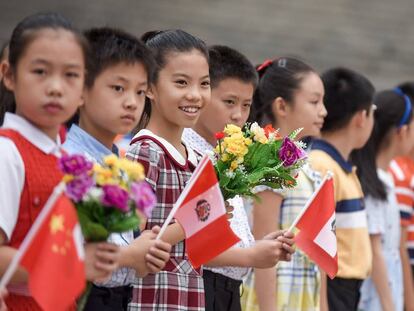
(52, 253)
(201, 212)
(316, 223)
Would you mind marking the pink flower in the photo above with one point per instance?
(78, 187)
(75, 164)
(143, 197)
(289, 153)
(115, 196)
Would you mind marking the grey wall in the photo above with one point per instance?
(372, 36)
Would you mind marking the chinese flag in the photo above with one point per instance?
(54, 258)
(202, 214)
(317, 229)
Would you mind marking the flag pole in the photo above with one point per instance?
(57, 191)
(328, 176)
(183, 194)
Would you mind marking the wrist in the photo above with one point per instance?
(125, 258)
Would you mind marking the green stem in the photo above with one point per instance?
(84, 298)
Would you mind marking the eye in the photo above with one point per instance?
(181, 82)
(72, 74)
(39, 71)
(205, 83)
(247, 105)
(229, 102)
(141, 93)
(117, 88)
(314, 102)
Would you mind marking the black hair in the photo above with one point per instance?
(407, 88)
(226, 62)
(110, 46)
(23, 34)
(281, 77)
(346, 93)
(391, 108)
(162, 44)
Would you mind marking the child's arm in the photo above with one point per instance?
(101, 259)
(407, 273)
(3, 294)
(266, 219)
(380, 274)
(323, 299)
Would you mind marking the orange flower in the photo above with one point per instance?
(268, 129)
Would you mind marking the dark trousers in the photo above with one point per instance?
(343, 294)
(108, 298)
(222, 293)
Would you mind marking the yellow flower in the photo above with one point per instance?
(111, 160)
(234, 165)
(225, 157)
(231, 129)
(248, 141)
(259, 133)
(103, 175)
(67, 178)
(134, 170)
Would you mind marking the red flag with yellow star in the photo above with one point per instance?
(54, 258)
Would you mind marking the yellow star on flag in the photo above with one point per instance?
(56, 223)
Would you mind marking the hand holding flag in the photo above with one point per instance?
(201, 212)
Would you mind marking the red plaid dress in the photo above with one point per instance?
(179, 286)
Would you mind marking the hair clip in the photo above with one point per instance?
(282, 62)
(408, 106)
(265, 64)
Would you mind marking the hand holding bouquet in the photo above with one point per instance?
(254, 156)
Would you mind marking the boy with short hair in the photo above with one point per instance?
(348, 125)
(233, 80)
(114, 96)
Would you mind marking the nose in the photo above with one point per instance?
(131, 102)
(236, 114)
(193, 94)
(55, 87)
(323, 112)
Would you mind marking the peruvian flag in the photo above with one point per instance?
(201, 212)
(317, 228)
(52, 253)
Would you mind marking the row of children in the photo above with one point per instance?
(180, 93)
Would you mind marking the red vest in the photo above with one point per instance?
(41, 176)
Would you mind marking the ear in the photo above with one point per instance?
(402, 132)
(150, 92)
(8, 76)
(279, 107)
(360, 118)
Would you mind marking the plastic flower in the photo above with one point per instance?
(134, 170)
(258, 133)
(144, 197)
(268, 129)
(115, 196)
(289, 153)
(75, 164)
(104, 176)
(219, 135)
(231, 129)
(111, 160)
(78, 187)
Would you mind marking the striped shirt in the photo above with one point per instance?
(354, 248)
(402, 170)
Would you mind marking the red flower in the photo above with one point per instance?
(268, 129)
(219, 135)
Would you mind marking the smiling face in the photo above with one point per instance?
(48, 81)
(181, 91)
(115, 101)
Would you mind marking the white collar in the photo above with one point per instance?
(175, 154)
(196, 141)
(32, 134)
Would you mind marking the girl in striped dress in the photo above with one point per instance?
(179, 90)
(289, 96)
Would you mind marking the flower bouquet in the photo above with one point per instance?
(255, 156)
(107, 197)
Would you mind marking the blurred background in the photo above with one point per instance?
(375, 37)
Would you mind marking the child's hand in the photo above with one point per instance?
(286, 239)
(101, 259)
(3, 294)
(229, 210)
(158, 254)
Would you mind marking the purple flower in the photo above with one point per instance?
(144, 197)
(115, 196)
(289, 153)
(75, 164)
(78, 187)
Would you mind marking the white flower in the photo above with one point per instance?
(230, 174)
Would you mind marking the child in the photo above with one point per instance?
(113, 103)
(348, 125)
(3, 294)
(180, 89)
(402, 169)
(233, 81)
(393, 135)
(289, 96)
(45, 73)
(4, 55)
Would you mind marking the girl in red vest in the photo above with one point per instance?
(41, 89)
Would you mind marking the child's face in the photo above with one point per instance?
(114, 104)
(182, 89)
(48, 80)
(308, 111)
(230, 103)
